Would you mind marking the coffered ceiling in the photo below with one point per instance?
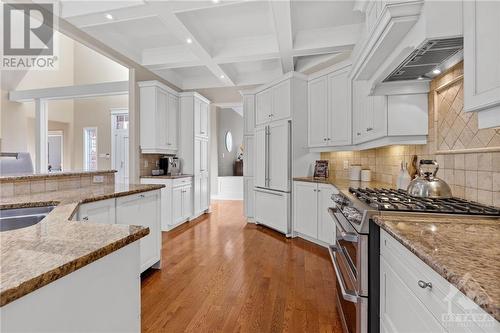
(217, 43)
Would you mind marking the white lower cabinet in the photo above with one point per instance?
(176, 200)
(310, 212)
(102, 211)
(143, 209)
(136, 209)
(406, 306)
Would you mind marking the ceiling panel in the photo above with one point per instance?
(307, 15)
(78, 8)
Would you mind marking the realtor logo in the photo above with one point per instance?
(28, 36)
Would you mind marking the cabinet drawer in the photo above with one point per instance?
(182, 181)
(439, 299)
(272, 208)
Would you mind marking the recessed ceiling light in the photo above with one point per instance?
(436, 71)
(109, 16)
(189, 40)
(222, 76)
(215, 1)
(420, 78)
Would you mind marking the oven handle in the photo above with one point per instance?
(348, 295)
(347, 236)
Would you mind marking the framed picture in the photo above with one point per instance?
(321, 169)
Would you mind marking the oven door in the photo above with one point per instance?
(354, 250)
(353, 309)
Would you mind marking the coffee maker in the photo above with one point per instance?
(170, 165)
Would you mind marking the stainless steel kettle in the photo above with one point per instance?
(427, 185)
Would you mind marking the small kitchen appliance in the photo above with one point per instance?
(170, 165)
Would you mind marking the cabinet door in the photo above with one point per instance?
(172, 121)
(203, 120)
(204, 195)
(378, 128)
(197, 194)
(187, 207)
(318, 108)
(263, 106)
(305, 208)
(339, 109)
(197, 116)
(482, 53)
(278, 156)
(326, 228)
(102, 211)
(260, 156)
(248, 197)
(248, 114)
(248, 152)
(358, 105)
(197, 155)
(281, 101)
(161, 119)
(204, 156)
(177, 196)
(143, 209)
(400, 309)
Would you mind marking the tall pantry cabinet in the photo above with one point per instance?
(193, 147)
(248, 153)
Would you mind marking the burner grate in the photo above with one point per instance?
(399, 200)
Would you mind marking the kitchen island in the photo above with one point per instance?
(78, 275)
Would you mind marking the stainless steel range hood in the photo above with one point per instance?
(434, 54)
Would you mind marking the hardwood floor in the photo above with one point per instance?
(220, 274)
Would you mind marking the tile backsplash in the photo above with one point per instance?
(468, 157)
(148, 163)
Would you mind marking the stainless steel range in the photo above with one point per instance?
(355, 255)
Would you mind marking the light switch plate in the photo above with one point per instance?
(98, 179)
(146, 163)
(346, 165)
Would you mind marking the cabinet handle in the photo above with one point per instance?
(314, 190)
(328, 139)
(324, 139)
(369, 129)
(319, 190)
(85, 218)
(141, 195)
(358, 133)
(202, 132)
(423, 284)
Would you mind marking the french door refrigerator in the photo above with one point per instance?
(273, 176)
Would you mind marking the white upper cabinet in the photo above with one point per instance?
(159, 112)
(330, 110)
(273, 103)
(200, 118)
(369, 114)
(248, 114)
(339, 108)
(481, 61)
(263, 106)
(318, 112)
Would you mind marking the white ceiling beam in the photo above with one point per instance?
(336, 39)
(246, 58)
(283, 26)
(70, 92)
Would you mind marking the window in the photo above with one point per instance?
(229, 141)
(90, 148)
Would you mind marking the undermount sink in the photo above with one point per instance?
(17, 218)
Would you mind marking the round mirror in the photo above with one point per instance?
(229, 141)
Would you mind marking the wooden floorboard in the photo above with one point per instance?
(221, 274)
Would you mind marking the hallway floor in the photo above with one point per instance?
(220, 274)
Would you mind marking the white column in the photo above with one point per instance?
(41, 135)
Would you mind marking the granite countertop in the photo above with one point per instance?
(34, 256)
(29, 176)
(169, 177)
(455, 247)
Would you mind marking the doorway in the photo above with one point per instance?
(120, 145)
(55, 151)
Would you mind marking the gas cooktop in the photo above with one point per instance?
(399, 200)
